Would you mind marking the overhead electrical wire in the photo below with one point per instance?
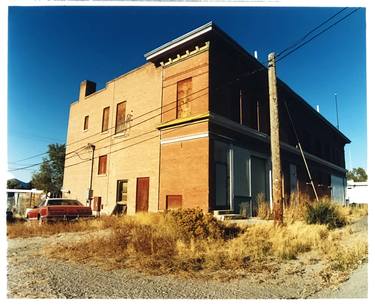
(278, 58)
(294, 48)
(310, 32)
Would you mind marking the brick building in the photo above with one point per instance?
(190, 128)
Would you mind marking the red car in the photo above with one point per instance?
(57, 209)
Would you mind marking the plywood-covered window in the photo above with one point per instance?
(120, 117)
(86, 123)
(174, 201)
(105, 119)
(102, 167)
(184, 92)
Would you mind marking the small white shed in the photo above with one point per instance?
(357, 192)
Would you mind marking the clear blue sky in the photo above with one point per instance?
(52, 49)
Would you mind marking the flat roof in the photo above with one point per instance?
(210, 26)
(180, 40)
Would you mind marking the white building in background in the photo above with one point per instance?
(357, 192)
(20, 199)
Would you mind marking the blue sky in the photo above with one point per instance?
(52, 49)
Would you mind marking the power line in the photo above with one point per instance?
(111, 135)
(131, 145)
(310, 32)
(31, 157)
(236, 79)
(316, 35)
(113, 127)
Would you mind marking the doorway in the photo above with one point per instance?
(143, 184)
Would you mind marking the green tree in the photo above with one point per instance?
(51, 172)
(17, 184)
(357, 174)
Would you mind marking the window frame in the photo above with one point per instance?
(100, 165)
(117, 130)
(104, 129)
(86, 123)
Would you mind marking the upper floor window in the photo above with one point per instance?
(184, 91)
(120, 117)
(102, 168)
(105, 120)
(86, 123)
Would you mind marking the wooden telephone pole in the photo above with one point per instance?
(275, 142)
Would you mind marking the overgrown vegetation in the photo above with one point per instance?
(324, 212)
(192, 242)
(24, 229)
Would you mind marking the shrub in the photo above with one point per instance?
(326, 213)
(194, 224)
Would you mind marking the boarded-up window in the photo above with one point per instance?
(86, 123)
(102, 168)
(174, 201)
(120, 117)
(184, 91)
(105, 120)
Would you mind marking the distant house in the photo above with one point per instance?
(191, 128)
(20, 199)
(357, 192)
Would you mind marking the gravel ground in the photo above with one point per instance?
(32, 275)
(355, 287)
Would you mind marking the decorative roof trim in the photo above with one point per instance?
(179, 41)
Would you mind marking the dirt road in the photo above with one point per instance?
(32, 275)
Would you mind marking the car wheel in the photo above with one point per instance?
(40, 220)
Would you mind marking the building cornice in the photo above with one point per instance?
(184, 120)
(229, 124)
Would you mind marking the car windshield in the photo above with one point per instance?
(63, 202)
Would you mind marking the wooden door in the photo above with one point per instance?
(142, 194)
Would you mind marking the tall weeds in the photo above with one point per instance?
(190, 241)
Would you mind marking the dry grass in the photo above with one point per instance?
(297, 208)
(190, 242)
(25, 229)
(353, 213)
(264, 210)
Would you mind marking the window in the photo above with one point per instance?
(86, 123)
(184, 90)
(105, 119)
(120, 117)
(102, 169)
(174, 201)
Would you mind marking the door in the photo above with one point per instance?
(122, 197)
(338, 189)
(142, 194)
(258, 182)
(241, 181)
(293, 178)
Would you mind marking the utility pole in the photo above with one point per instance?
(337, 112)
(275, 142)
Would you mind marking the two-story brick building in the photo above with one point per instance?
(191, 129)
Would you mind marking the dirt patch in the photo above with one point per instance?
(32, 274)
